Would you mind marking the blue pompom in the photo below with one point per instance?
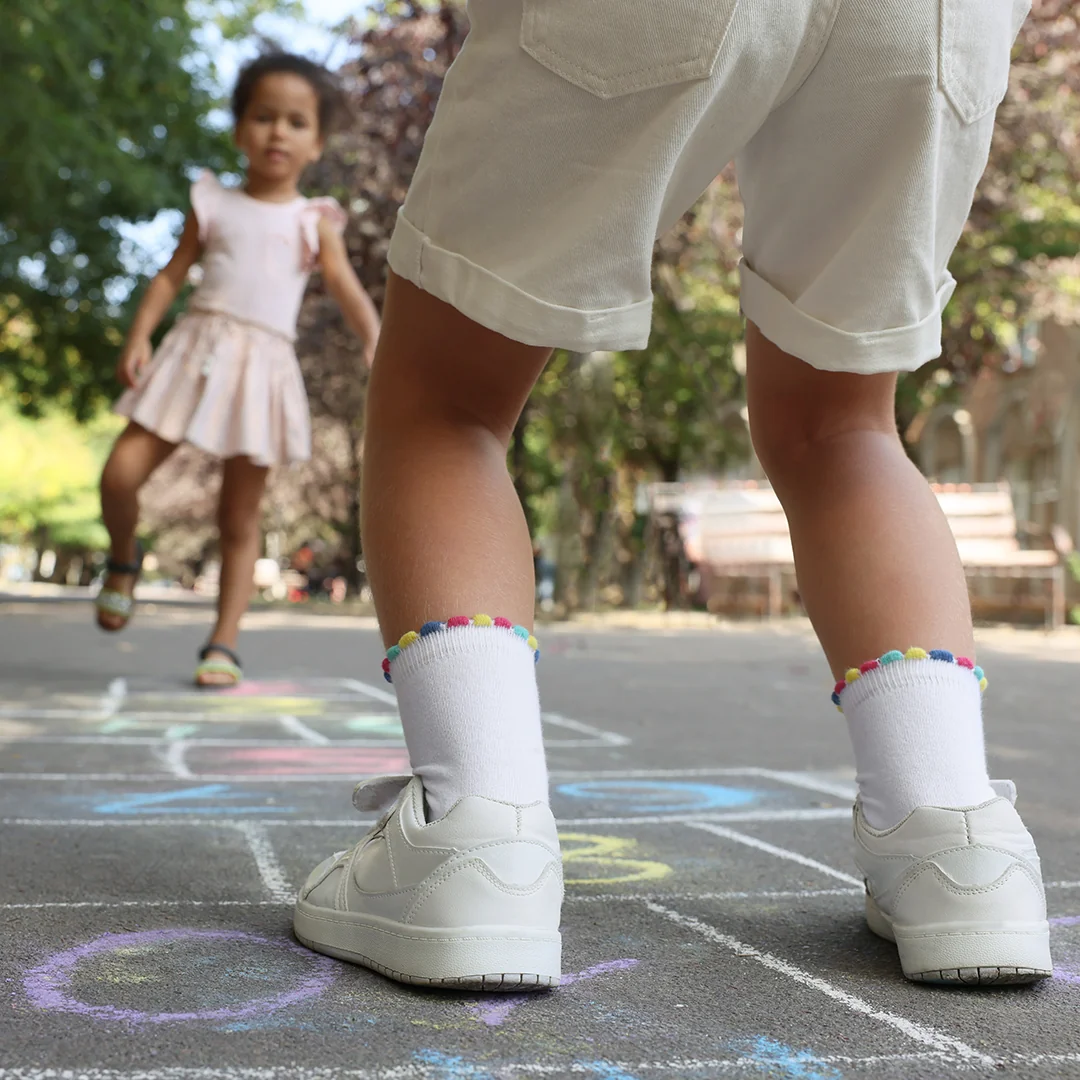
(431, 628)
(942, 654)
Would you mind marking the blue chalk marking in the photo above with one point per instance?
(603, 1069)
(661, 797)
(769, 1056)
(155, 802)
(440, 1066)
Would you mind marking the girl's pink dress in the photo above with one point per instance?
(226, 377)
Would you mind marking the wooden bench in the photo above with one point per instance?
(740, 531)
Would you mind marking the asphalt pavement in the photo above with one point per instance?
(152, 839)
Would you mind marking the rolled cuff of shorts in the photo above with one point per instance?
(902, 348)
(490, 301)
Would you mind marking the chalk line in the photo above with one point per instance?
(425, 1071)
(920, 1033)
(772, 849)
(295, 726)
(376, 693)
(172, 757)
(113, 700)
(571, 898)
(607, 738)
(270, 870)
(749, 816)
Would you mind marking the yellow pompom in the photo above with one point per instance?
(983, 683)
(482, 620)
(851, 674)
(916, 654)
(839, 710)
(533, 644)
(408, 639)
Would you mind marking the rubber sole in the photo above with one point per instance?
(468, 958)
(970, 957)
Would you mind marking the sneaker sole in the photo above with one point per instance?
(472, 958)
(968, 957)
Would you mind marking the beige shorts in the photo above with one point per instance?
(571, 133)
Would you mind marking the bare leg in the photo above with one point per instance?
(242, 487)
(877, 562)
(135, 456)
(444, 532)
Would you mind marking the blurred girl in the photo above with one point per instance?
(226, 377)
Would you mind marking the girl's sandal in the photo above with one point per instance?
(113, 602)
(218, 674)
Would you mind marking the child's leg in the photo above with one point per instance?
(135, 456)
(878, 571)
(242, 487)
(444, 536)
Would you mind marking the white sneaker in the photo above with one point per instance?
(959, 891)
(471, 901)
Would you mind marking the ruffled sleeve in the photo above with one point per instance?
(205, 199)
(315, 211)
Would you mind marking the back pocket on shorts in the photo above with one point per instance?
(976, 44)
(615, 47)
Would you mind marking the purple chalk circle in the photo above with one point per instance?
(1063, 975)
(47, 984)
(493, 1011)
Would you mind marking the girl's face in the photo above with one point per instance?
(279, 131)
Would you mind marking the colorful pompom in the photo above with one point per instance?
(914, 653)
(455, 621)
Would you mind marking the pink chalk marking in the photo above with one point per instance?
(269, 688)
(272, 761)
(493, 1011)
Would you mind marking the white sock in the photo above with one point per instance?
(916, 728)
(470, 709)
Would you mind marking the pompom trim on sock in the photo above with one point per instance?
(453, 623)
(891, 657)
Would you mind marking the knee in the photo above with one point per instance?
(238, 528)
(801, 417)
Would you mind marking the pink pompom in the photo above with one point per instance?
(459, 620)
(506, 624)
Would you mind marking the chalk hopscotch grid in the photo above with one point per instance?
(947, 1050)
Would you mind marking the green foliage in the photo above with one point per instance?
(104, 118)
(49, 470)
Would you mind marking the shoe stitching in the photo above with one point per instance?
(959, 890)
(522, 891)
(420, 937)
